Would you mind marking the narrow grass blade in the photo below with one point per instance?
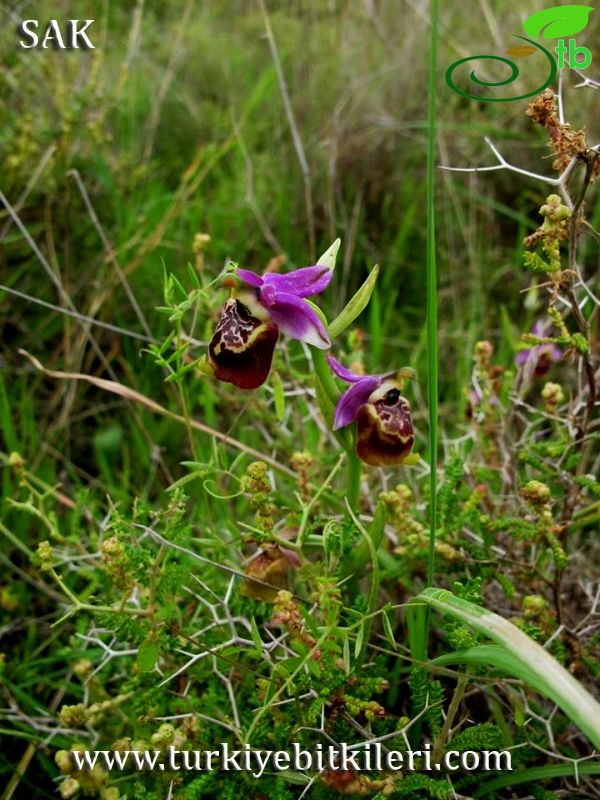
(419, 618)
(361, 555)
(432, 319)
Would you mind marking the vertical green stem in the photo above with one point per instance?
(354, 473)
(419, 621)
(331, 396)
(185, 405)
(325, 377)
(432, 324)
(439, 745)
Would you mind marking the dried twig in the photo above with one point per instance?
(137, 397)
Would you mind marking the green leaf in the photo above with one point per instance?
(329, 256)
(575, 769)
(346, 653)
(360, 636)
(256, 636)
(147, 655)
(355, 305)
(487, 655)
(518, 655)
(558, 22)
(297, 778)
(280, 671)
(193, 276)
(313, 668)
(213, 490)
(361, 555)
(387, 629)
(182, 481)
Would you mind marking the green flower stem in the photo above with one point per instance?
(184, 399)
(306, 509)
(352, 501)
(432, 322)
(367, 622)
(354, 475)
(441, 740)
(331, 396)
(419, 619)
(79, 606)
(14, 540)
(287, 543)
(287, 684)
(325, 377)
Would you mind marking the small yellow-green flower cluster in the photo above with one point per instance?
(302, 464)
(288, 615)
(539, 497)
(258, 486)
(553, 396)
(116, 562)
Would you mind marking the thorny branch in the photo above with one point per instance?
(571, 153)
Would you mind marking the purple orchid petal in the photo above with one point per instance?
(291, 556)
(341, 371)
(249, 277)
(301, 282)
(356, 396)
(539, 352)
(522, 357)
(295, 317)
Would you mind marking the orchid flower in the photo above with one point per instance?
(385, 434)
(241, 349)
(539, 356)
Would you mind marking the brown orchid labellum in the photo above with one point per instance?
(385, 434)
(267, 572)
(241, 349)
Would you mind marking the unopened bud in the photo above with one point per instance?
(44, 551)
(553, 396)
(536, 493)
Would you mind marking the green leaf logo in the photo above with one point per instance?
(558, 22)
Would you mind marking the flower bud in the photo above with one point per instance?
(269, 567)
(553, 396)
(536, 493)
